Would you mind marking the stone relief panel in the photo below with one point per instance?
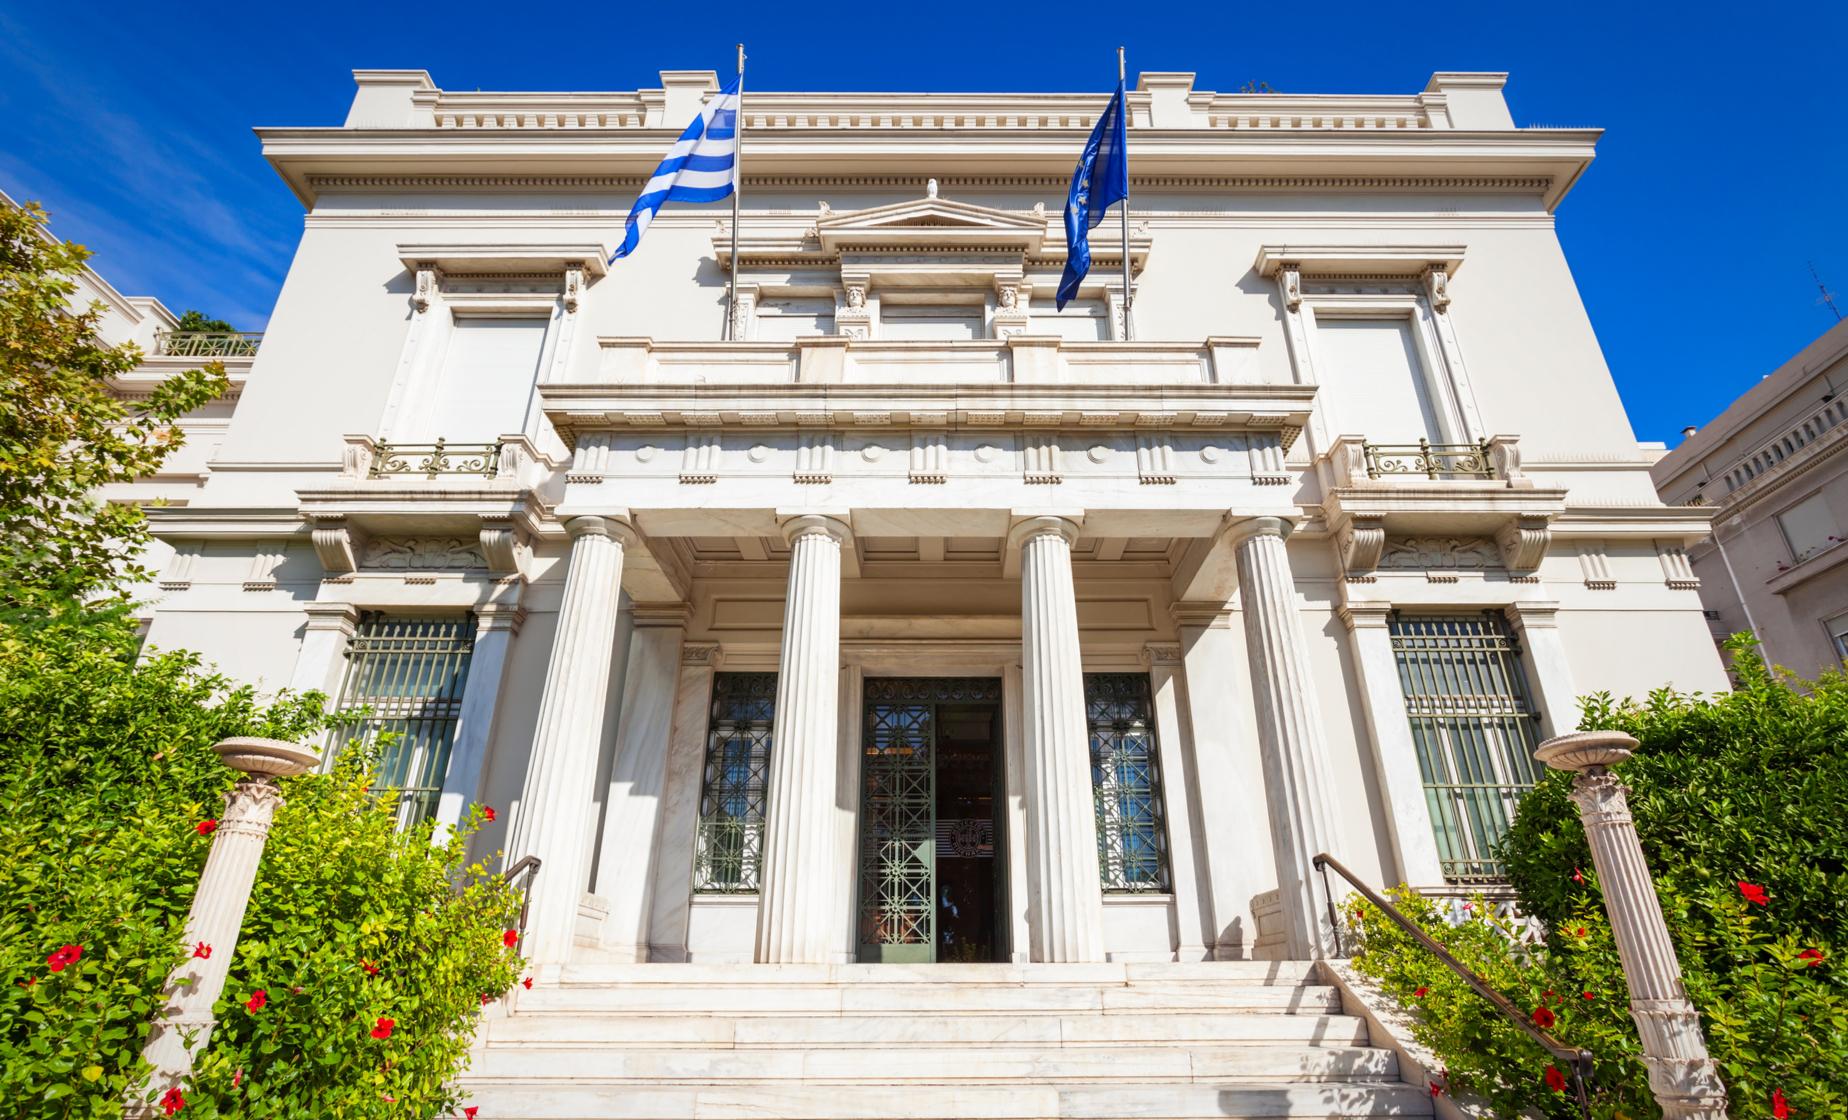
(422, 554)
(1440, 553)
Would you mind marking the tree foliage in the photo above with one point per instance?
(1739, 800)
(64, 433)
(198, 321)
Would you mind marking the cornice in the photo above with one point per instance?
(508, 183)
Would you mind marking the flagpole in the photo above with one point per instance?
(1121, 79)
(731, 298)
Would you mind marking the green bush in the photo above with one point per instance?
(106, 770)
(1732, 794)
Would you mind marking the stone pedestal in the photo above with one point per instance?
(554, 817)
(797, 918)
(1685, 1081)
(1289, 728)
(185, 1026)
(1065, 909)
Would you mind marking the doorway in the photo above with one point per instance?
(932, 880)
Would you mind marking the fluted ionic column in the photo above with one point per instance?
(1290, 731)
(185, 1025)
(1685, 1081)
(555, 821)
(797, 916)
(1065, 908)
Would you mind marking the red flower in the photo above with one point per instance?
(1469, 907)
(470, 1111)
(1577, 875)
(1421, 992)
(1779, 1108)
(487, 813)
(63, 957)
(172, 1102)
(1579, 932)
(1813, 956)
(383, 1028)
(510, 938)
(237, 1078)
(1437, 1090)
(202, 951)
(206, 827)
(1555, 1080)
(257, 999)
(527, 983)
(1587, 996)
(1753, 893)
(1543, 1018)
(1548, 994)
(486, 999)
(371, 969)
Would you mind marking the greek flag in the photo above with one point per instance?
(702, 166)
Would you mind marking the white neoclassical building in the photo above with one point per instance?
(921, 622)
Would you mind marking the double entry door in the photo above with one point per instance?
(932, 868)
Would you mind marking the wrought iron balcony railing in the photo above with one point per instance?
(429, 460)
(208, 344)
(1432, 460)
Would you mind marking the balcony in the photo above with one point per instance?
(1429, 460)
(207, 344)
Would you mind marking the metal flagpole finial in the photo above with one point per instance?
(740, 58)
(1122, 74)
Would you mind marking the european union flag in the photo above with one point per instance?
(1102, 177)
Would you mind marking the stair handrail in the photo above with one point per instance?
(1576, 1059)
(529, 866)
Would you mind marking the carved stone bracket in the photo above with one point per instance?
(425, 292)
(1437, 287)
(335, 544)
(503, 546)
(1362, 542)
(574, 288)
(1290, 279)
(1523, 543)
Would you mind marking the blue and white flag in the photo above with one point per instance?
(702, 166)
(1102, 178)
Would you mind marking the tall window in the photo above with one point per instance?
(1473, 725)
(405, 677)
(728, 851)
(1809, 527)
(1132, 841)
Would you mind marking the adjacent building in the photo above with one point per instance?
(1771, 469)
(911, 619)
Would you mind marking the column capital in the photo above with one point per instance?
(1365, 616)
(323, 615)
(709, 654)
(614, 526)
(1034, 525)
(1165, 655)
(1587, 751)
(1535, 613)
(1240, 530)
(808, 524)
(492, 617)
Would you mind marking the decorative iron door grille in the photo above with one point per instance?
(1473, 726)
(1132, 841)
(404, 678)
(728, 852)
(898, 812)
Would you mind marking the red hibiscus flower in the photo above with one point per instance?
(1548, 995)
(1555, 1080)
(1543, 1018)
(1587, 996)
(257, 999)
(1579, 932)
(486, 999)
(1779, 1107)
(470, 1111)
(382, 1029)
(487, 813)
(206, 827)
(527, 983)
(1813, 956)
(237, 1078)
(172, 1101)
(202, 951)
(1436, 1090)
(371, 969)
(510, 937)
(1753, 893)
(63, 957)
(1577, 875)
(1421, 992)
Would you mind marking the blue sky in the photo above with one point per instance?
(1722, 175)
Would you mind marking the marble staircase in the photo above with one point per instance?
(933, 1042)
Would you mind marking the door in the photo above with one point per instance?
(930, 878)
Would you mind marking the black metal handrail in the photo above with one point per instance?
(529, 865)
(1578, 1061)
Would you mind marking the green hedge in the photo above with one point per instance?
(106, 770)
(1734, 794)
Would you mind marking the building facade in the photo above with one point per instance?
(1770, 467)
(917, 620)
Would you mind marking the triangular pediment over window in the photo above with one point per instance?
(931, 222)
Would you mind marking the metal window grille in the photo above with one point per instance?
(728, 852)
(1473, 726)
(1132, 841)
(405, 677)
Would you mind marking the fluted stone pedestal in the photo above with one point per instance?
(1289, 727)
(797, 919)
(1065, 909)
(185, 1025)
(555, 815)
(1685, 1081)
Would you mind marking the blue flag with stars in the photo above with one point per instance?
(1102, 178)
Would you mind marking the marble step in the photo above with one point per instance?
(860, 999)
(941, 1030)
(930, 1064)
(581, 1099)
(1117, 973)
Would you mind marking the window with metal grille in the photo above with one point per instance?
(405, 676)
(1132, 838)
(1473, 726)
(729, 847)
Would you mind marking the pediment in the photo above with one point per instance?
(930, 222)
